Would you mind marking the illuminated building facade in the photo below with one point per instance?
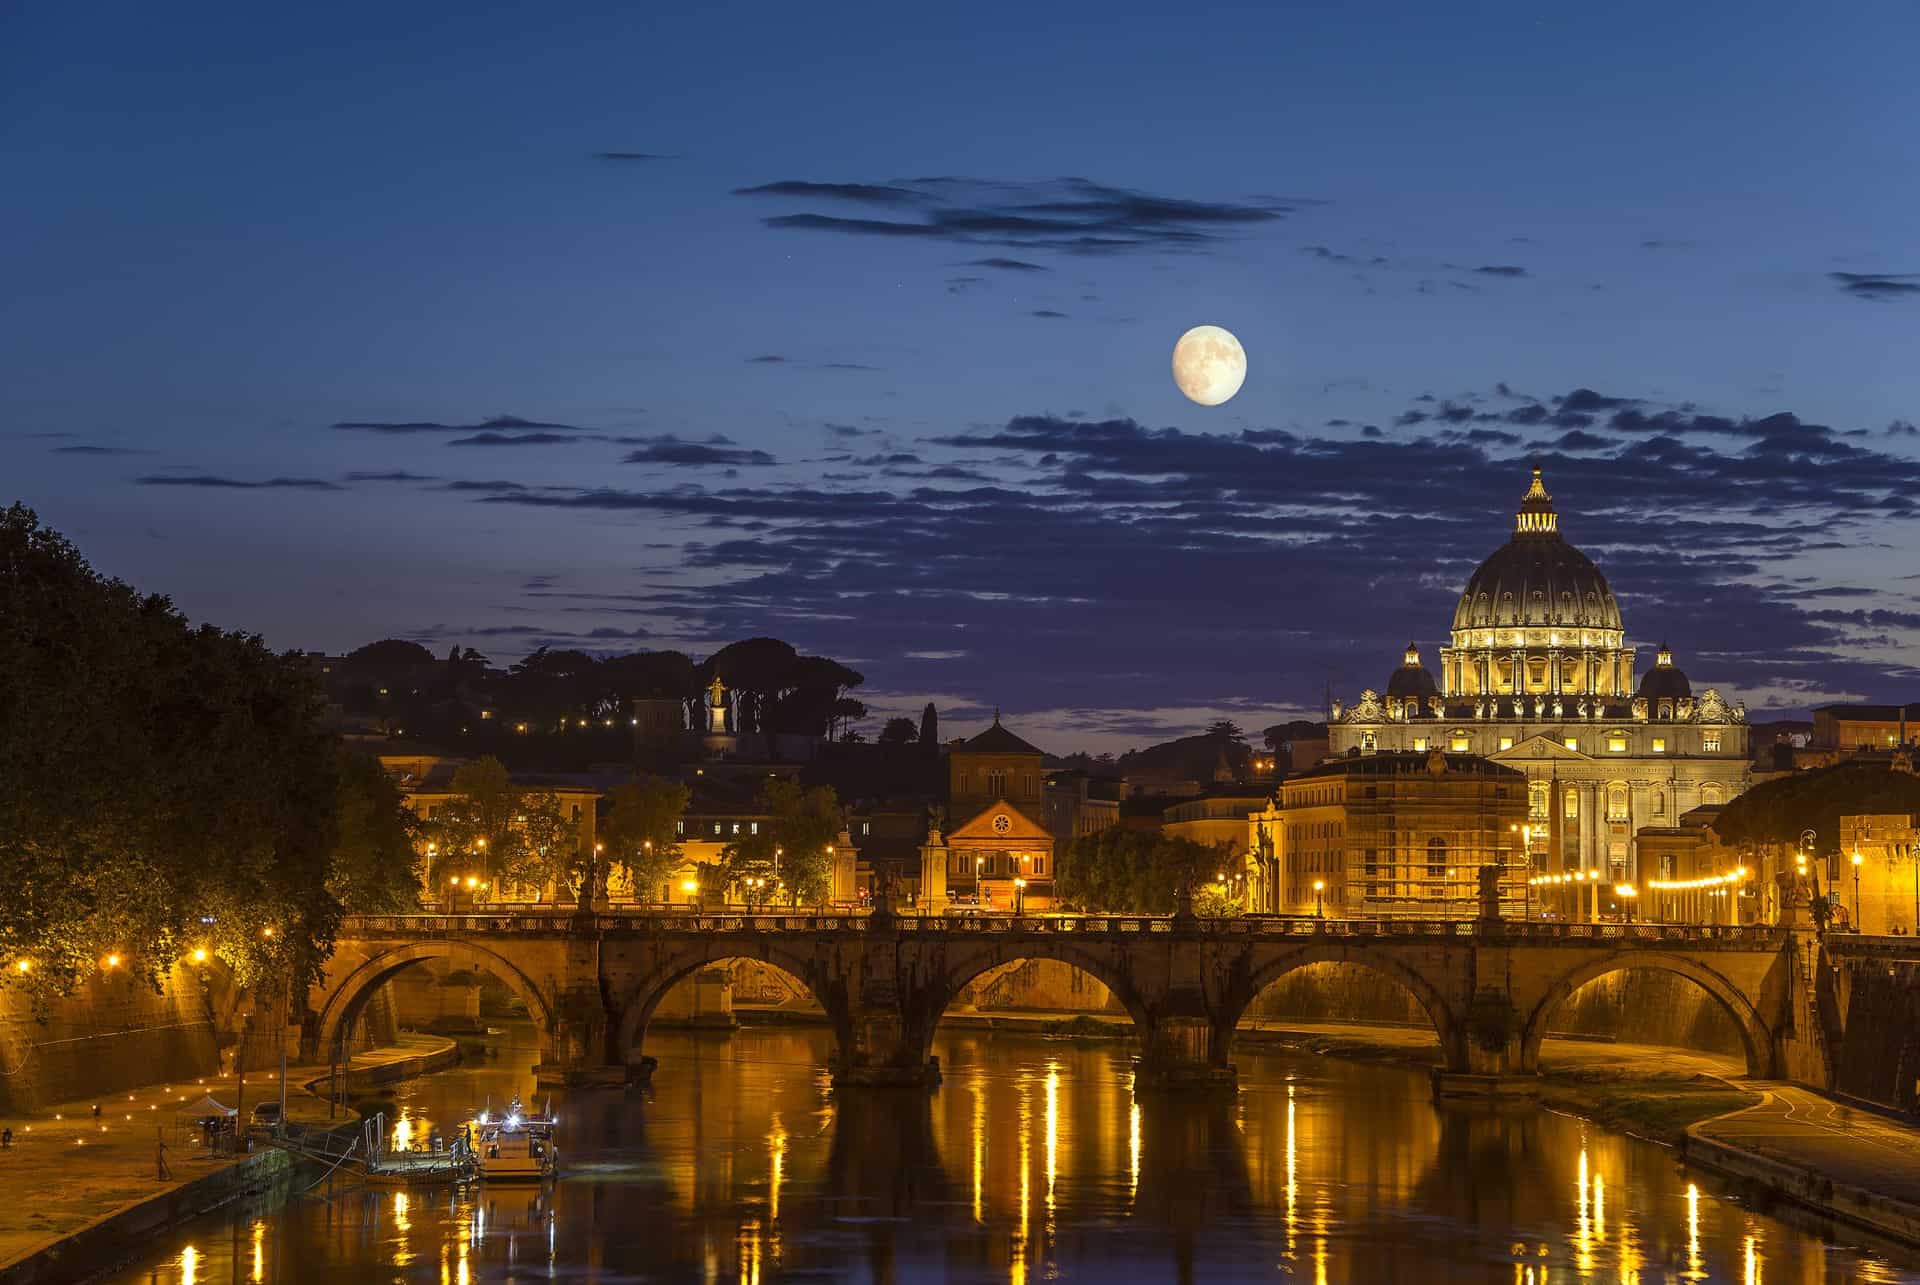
(999, 852)
(1538, 676)
(1396, 834)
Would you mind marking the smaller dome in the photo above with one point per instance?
(1412, 679)
(1665, 681)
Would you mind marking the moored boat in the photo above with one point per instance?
(517, 1145)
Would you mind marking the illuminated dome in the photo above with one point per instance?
(1665, 681)
(1537, 620)
(1412, 678)
(1537, 579)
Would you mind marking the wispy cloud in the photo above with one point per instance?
(1877, 285)
(1069, 216)
(217, 482)
(500, 423)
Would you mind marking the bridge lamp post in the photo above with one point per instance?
(1019, 895)
(1626, 892)
(1319, 899)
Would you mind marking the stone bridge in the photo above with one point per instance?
(593, 980)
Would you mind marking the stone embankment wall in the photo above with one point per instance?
(114, 1033)
(1878, 1057)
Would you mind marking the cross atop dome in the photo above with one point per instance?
(1536, 516)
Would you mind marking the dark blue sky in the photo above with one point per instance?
(909, 404)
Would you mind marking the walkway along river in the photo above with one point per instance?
(1031, 1162)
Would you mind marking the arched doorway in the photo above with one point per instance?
(1752, 1040)
(1336, 985)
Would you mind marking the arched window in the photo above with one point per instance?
(1539, 800)
(1570, 803)
(1659, 803)
(1712, 793)
(1616, 801)
(1665, 711)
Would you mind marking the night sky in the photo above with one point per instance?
(644, 326)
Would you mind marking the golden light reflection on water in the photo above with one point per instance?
(980, 1149)
(1053, 1137)
(1133, 1152)
(1069, 1176)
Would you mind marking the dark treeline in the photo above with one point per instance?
(460, 698)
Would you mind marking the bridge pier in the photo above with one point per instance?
(578, 1045)
(1177, 1056)
(880, 1049)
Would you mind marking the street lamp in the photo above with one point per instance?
(1526, 851)
(1319, 901)
(1019, 895)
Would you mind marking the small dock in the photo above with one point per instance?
(363, 1153)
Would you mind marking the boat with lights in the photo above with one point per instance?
(516, 1145)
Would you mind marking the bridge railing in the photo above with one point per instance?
(629, 921)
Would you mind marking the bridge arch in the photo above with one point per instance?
(1446, 1024)
(967, 964)
(643, 995)
(1755, 1038)
(347, 998)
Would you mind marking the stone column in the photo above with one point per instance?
(1553, 671)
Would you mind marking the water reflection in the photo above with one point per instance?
(1032, 1162)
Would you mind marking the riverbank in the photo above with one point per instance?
(78, 1192)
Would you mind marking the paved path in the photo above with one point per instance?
(66, 1168)
(1846, 1144)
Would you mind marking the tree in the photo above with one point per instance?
(802, 826)
(898, 731)
(1125, 871)
(1226, 730)
(1777, 812)
(474, 834)
(929, 731)
(163, 788)
(549, 854)
(642, 832)
(375, 866)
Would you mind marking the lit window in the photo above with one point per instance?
(1617, 801)
(1570, 804)
(1506, 742)
(1459, 742)
(1571, 742)
(1710, 742)
(1616, 742)
(1539, 799)
(1420, 743)
(1367, 742)
(1659, 745)
(753, 827)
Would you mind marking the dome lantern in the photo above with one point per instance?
(1536, 516)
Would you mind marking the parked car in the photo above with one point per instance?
(267, 1113)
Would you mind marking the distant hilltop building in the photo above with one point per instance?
(1539, 677)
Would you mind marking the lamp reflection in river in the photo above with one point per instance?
(1583, 1226)
(1017, 1260)
(259, 1250)
(189, 1265)
(1753, 1262)
(979, 1146)
(1053, 1136)
(1133, 1153)
(1693, 1230)
(1292, 1190)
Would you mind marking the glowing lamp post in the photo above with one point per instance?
(1019, 895)
(1319, 899)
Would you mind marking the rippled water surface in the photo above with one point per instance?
(1032, 1162)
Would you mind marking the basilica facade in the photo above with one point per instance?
(1538, 675)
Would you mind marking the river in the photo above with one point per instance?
(1032, 1163)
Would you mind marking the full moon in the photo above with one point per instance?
(1209, 365)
